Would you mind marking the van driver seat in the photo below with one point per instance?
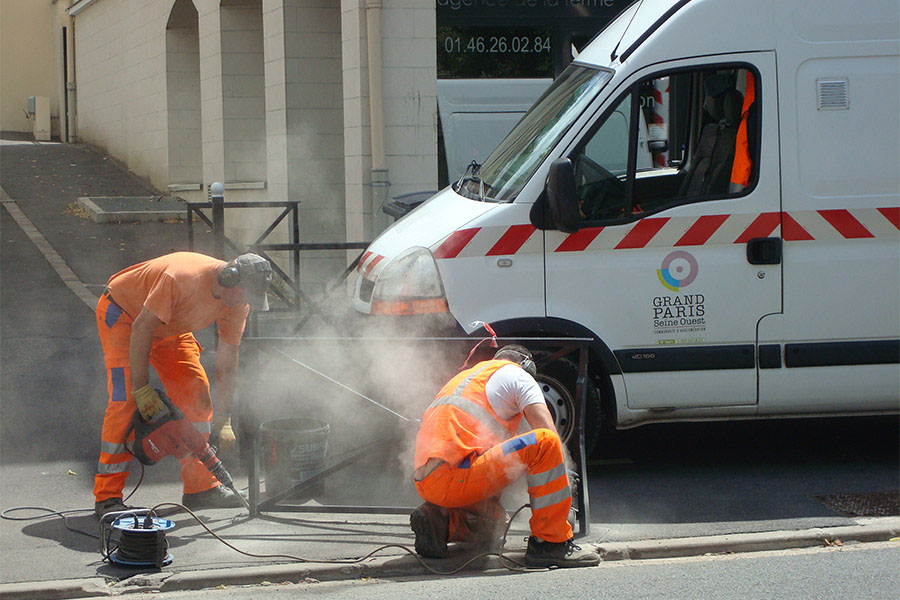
(709, 171)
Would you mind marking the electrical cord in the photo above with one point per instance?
(148, 549)
(505, 560)
(49, 512)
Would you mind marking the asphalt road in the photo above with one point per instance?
(51, 371)
(51, 378)
(860, 572)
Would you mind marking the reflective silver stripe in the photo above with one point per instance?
(478, 413)
(547, 476)
(111, 448)
(481, 415)
(106, 469)
(538, 502)
(459, 389)
(204, 427)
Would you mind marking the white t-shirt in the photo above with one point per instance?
(510, 389)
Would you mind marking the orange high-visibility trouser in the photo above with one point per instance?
(538, 454)
(176, 360)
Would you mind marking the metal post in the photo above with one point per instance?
(217, 196)
(248, 417)
(190, 220)
(295, 232)
(584, 515)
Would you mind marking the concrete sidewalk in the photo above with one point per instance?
(55, 262)
(65, 564)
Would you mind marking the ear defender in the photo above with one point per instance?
(230, 276)
(525, 361)
(529, 366)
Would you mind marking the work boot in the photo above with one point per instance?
(215, 497)
(486, 532)
(558, 554)
(431, 525)
(104, 507)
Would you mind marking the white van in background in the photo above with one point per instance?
(476, 114)
(710, 192)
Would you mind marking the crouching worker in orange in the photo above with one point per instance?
(467, 452)
(146, 316)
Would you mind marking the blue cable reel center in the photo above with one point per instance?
(142, 541)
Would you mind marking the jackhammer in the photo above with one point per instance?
(168, 432)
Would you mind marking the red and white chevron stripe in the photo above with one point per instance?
(667, 232)
(367, 263)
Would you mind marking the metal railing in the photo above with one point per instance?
(263, 350)
(293, 298)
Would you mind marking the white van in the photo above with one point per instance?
(476, 114)
(749, 268)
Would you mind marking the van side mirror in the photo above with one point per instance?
(557, 206)
(562, 199)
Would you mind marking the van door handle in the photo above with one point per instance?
(764, 251)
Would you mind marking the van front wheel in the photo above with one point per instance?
(557, 381)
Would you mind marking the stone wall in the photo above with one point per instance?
(269, 97)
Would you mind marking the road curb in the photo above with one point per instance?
(391, 566)
(54, 590)
(880, 529)
(749, 542)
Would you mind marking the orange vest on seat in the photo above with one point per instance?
(460, 422)
(743, 164)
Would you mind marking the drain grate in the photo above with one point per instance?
(863, 504)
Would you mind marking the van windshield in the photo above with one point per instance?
(503, 174)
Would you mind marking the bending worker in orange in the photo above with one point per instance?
(146, 316)
(467, 452)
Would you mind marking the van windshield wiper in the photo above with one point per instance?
(471, 174)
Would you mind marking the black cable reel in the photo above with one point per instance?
(141, 541)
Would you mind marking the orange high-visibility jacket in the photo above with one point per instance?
(177, 289)
(460, 422)
(743, 164)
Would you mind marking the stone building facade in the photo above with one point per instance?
(271, 97)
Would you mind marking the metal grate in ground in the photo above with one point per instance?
(863, 504)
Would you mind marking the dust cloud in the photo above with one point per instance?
(398, 363)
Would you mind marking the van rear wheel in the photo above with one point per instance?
(557, 381)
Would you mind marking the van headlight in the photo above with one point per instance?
(409, 285)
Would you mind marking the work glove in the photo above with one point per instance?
(573, 481)
(149, 403)
(223, 432)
